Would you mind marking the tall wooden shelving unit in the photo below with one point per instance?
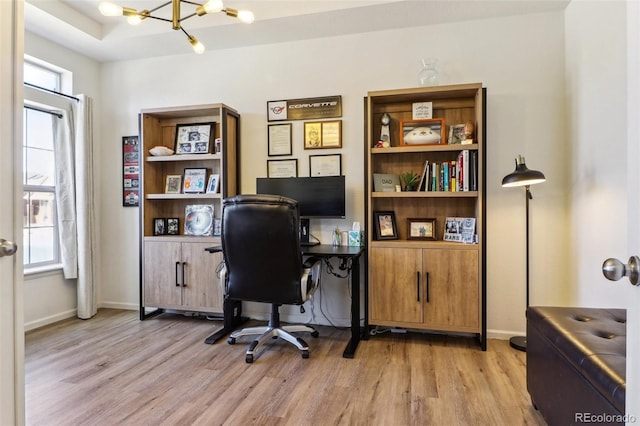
(425, 285)
(176, 273)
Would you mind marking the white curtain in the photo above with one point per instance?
(75, 200)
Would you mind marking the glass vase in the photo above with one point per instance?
(429, 76)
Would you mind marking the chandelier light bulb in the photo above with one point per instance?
(197, 46)
(134, 19)
(213, 6)
(110, 9)
(246, 16)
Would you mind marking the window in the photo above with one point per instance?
(40, 229)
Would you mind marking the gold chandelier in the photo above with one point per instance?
(134, 17)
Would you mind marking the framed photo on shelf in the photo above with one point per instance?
(159, 226)
(173, 184)
(198, 219)
(421, 229)
(323, 134)
(422, 132)
(282, 168)
(384, 223)
(173, 226)
(217, 227)
(213, 184)
(456, 134)
(279, 139)
(193, 138)
(194, 181)
(325, 165)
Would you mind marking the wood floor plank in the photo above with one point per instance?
(117, 370)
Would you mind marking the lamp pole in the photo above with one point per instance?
(522, 176)
(520, 342)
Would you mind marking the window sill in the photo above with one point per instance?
(43, 269)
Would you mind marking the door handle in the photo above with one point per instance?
(613, 270)
(7, 248)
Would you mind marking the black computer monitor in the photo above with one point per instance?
(318, 197)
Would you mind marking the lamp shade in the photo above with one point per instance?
(522, 176)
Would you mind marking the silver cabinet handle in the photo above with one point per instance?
(613, 270)
(7, 248)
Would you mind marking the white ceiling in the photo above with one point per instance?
(78, 25)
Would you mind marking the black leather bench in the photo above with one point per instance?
(576, 364)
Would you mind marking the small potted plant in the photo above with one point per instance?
(410, 180)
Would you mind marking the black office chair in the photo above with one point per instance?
(263, 263)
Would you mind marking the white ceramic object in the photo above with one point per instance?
(160, 151)
(421, 136)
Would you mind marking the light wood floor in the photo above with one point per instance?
(117, 370)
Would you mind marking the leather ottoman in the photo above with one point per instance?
(576, 364)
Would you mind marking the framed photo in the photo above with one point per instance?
(213, 184)
(325, 165)
(421, 229)
(217, 227)
(384, 224)
(194, 181)
(193, 138)
(279, 139)
(282, 168)
(173, 226)
(173, 184)
(323, 134)
(456, 134)
(159, 226)
(198, 219)
(422, 132)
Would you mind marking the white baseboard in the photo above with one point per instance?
(50, 320)
(503, 335)
(119, 305)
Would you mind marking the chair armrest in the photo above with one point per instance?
(214, 249)
(310, 276)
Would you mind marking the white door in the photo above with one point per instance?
(11, 315)
(633, 111)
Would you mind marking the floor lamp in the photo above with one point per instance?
(522, 176)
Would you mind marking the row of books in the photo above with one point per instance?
(451, 176)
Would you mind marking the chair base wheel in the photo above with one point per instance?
(314, 334)
(248, 358)
(305, 354)
(231, 340)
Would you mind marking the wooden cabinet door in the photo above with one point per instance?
(201, 286)
(162, 276)
(395, 286)
(453, 298)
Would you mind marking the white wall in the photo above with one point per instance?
(519, 59)
(48, 297)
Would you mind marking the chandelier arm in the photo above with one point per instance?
(187, 17)
(160, 7)
(192, 2)
(158, 18)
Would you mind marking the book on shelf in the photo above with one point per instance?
(425, 177)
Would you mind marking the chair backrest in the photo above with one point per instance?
(261, 248)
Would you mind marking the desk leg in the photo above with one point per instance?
(232, 318)
(350, 350)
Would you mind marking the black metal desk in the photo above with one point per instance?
(354, 254)
(233, 309)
